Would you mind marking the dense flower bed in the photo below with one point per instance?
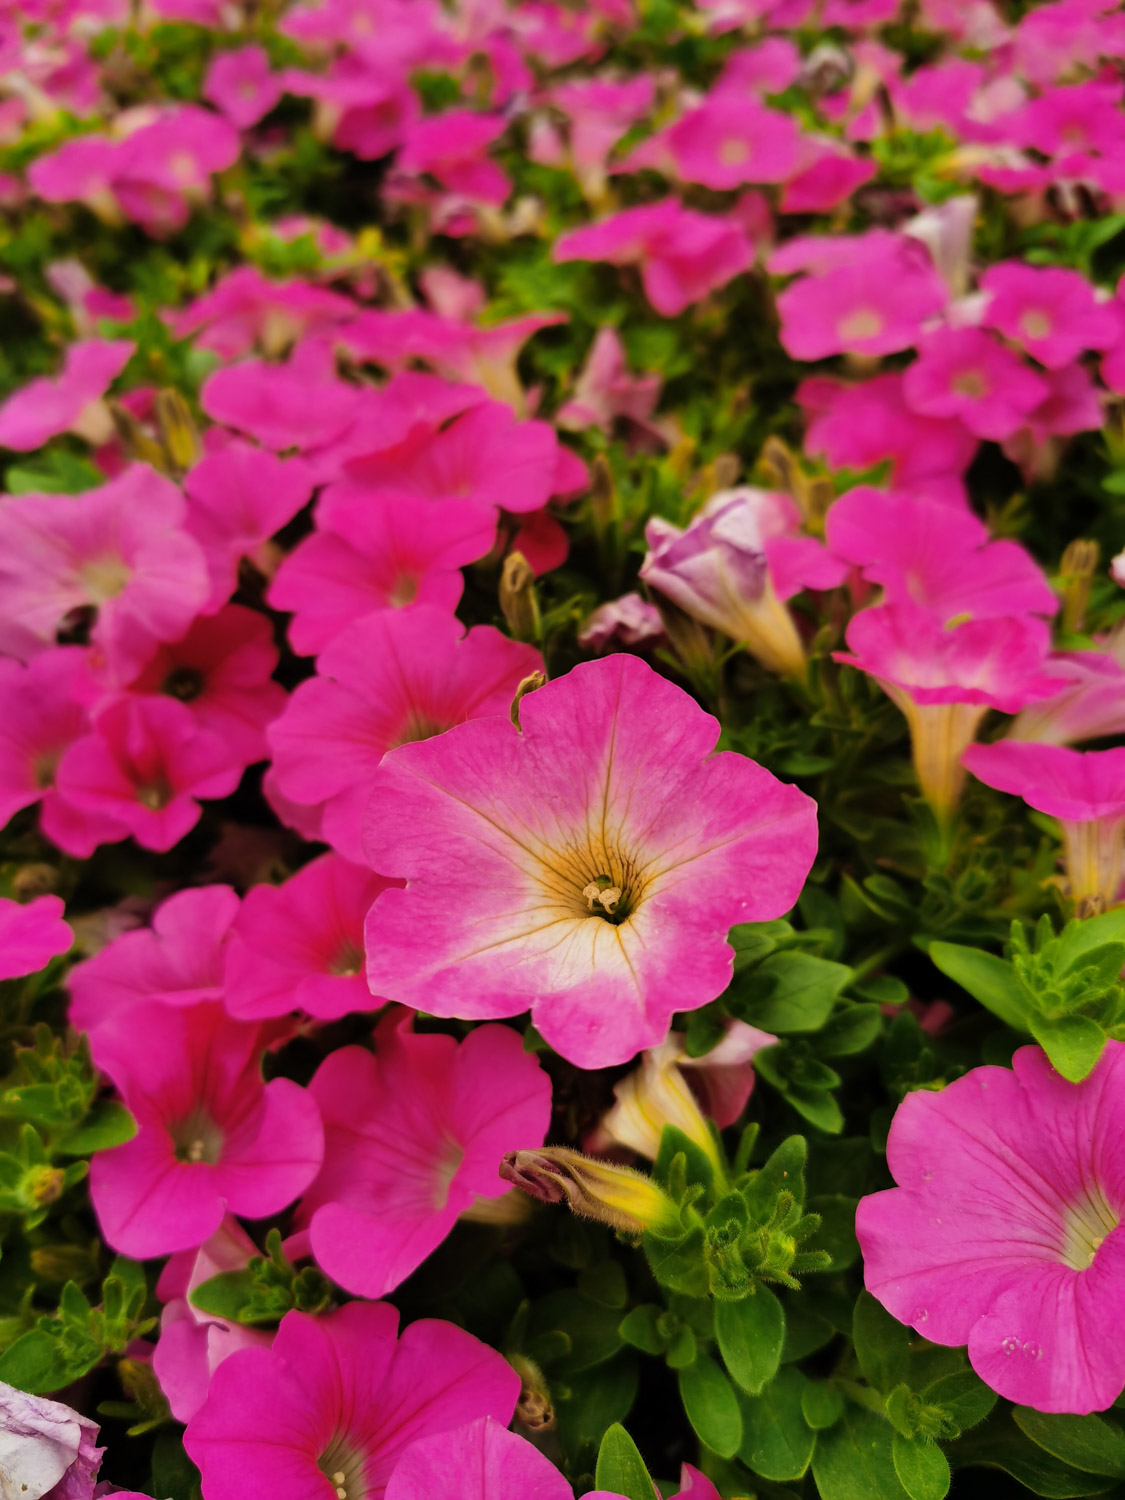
(561, 654)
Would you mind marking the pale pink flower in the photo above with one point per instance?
(337, 1399)
(606, 392)
(1050, 311)
(245, 311)
(389, 679)
(968, 374)
(629, 621)
(69, 401)
(1089, 705)
(211, 1136)
(875, 305)
(414, 1135)
(241, 84)
(569, 865)
(31, 935)
(452, 147)
(1005, 1230)
(1084, 790)
(599, 111)
(46, 1449)
(299, 946)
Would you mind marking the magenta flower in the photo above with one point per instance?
(66, 403)
(599, 111)
(827, 181)
(337, 1399)
(682, 255)
(299, 946)
(245, 310)
(874, 305)
(211, 1136)
(946, 678)
(453, 147)
(923, 552)
(373, 551)
(414, 1135)
(966, 373)
(570, 867)
(238, 498)
(46, 1449)
(178, 960)
(142, 767)
(41, 714)
(280, 405)
(241, 85)
(1085, 790)
(728, 141)
(392, 678)
(1089, 705)
(31, 935)
(1005, 1230)
(1050, 311)
(118, 551)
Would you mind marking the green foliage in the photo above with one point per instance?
(268, 1288)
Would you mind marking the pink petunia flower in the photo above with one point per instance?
(607, 393)
(142, 767)
(569, 866)
(599, 111)
(923, 552)
(414, 1135)
(193, 1344)
(966, 373)
(875, 305)
(1084, 790)
(453, 148)
(178, 960)
(1050, 311)
(68, 402)
(211, 1136)
(1089, 705)
(628, 621)
(299, 945)
(337, 1399)
(46, 1449)
(827, 181)
(946, 678)
(31, 935)
(728, 141)
(241, 84)
(280, 405)
(390, 679)
(245, 310)
(682, 255)
(119, 552)
(376, 551)
(1005, 1230)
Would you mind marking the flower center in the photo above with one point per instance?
(1086, 1225)
(184, 683)
(197, 1138)
(732, 153)
(418, 726)
(606, 899)
(405, 591)
(864, 323)
(970, 383)
(105, 577)
(155, 795)
(1035, 324)
(343, 1464)
(348, 961)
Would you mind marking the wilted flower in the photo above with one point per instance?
(46, 1450)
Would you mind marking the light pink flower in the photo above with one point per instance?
(1085, 790)
(1089, 705)
(48, 406)
(682, 255)
(728, 141)
(387, 680)
(31, 935)
(120, 551)
(192, 1343)
(299, 945)
(1005, 1230)
(923, 552)
(241, 85)
(453, 148)
(376, 551)
(340, 1396)
(245, 311)
(1051, 311)
(414, 1135)
(46, 1449)
(629, 621)
(142, 767)
(568, 867)
(599, 111)
(876, 305)
(966, 373)
(211, 1136)
(606, 392)
(178, 960)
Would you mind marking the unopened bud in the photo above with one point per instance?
(177, 429)
(602, 492)
(61, 1263)
(625, 1200)
(1079, 563)
(518, 602)
(43, 1185)
(34, 880)
(534, 1409)
(136, 441)
(530, 684)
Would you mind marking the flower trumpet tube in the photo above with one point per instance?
(624, 1199)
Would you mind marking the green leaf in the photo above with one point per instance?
(640, 1329)
(804, 991)
(850, 1031)
(108, 1124)
(922, 1468)
(854, 1461)
(225, 1295)
(822, 1404)
(1001, 1446)
(1091, 1443)
(1073, 1043)
(621, 1468)
(591, 1328)
(711, 1406)
(882, 1344)
(777, 1440)
(585, 1409)
(987, 978)
(963, 1396)
(55, 472)
(39, 1364)
(751, 1334)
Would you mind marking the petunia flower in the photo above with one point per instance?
(1004, 1232)
(830, 178)
(452, 147)
(1084, 790)
(333, 1404)
(178, 960)
(119, 553)
(241, 84)
(877, 304)
(299, 945)
(211, 1136)
(69, 401)
(414, 1135)
(946, 678)
(280, 405)
(47, 1450)
(966, 373)
(391, 678)
(683, 255)
(569, 866)
(607, 393)
(1051, 311)
(727, 141)
(245, 310)
(628, 621)
(599, 111)
(1089, 705)
(31, 935)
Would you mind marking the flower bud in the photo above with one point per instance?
(625, 1200)
(177, 430)
(1079, 563)
(518, 603)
